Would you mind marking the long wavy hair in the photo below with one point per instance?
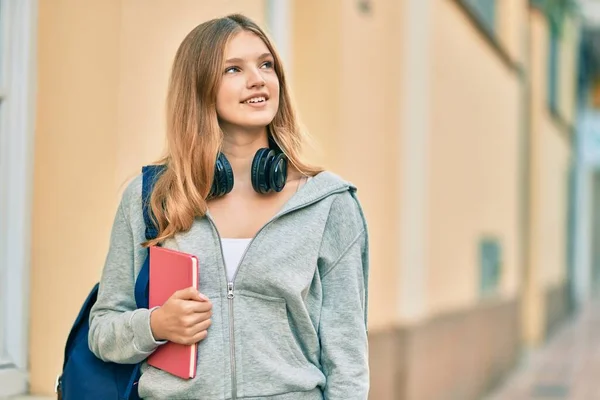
(194, 137)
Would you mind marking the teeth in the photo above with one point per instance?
(256, 100)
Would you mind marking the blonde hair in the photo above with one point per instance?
(194, 137)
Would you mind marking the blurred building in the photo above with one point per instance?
(456, 119)
(585, 246)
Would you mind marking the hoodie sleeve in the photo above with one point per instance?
(119, 332)
(343, 323)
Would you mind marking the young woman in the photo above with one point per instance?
(282, 247)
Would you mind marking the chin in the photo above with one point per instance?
(255, 125)
(256, 122)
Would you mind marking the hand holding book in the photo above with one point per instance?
(184, 318)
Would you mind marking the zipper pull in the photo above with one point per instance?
(230, 290)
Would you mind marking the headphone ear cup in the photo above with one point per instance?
(223, 179)
(259, 172)
(278, 172)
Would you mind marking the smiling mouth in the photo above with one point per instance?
(255, 100)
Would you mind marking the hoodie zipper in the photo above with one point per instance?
(230, 284)
(232, 342)
(230, 296)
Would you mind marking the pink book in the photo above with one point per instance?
(171, 271)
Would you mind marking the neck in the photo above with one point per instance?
(240, 148)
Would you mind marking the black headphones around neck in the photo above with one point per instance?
(269, 172)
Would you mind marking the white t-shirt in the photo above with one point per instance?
(233, 250)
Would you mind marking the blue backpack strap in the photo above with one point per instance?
(150, 174)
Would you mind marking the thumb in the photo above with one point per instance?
(190, 294)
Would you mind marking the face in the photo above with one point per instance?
(248, 97)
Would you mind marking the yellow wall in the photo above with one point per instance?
(550, 156)
(551, 210)
(474, 162)
(316, 73)
(74, 191)
(347, 71)
(102, 73)
(512, 16)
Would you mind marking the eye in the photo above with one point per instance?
(267, 65)
(230, 70)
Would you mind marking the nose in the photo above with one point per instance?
(255, 79)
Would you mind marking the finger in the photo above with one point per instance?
(201, 326)
(199, 336)
(191, 307)
(196, 318)
(186, 294)
(190, 294)
(191, 339)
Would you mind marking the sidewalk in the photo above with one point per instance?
(567, 367)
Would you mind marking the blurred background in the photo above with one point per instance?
(471, 128)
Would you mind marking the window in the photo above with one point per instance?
(490, 266)
(553, 70)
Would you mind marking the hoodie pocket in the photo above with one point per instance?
(272, 361)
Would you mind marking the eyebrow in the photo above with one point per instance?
(239, 60)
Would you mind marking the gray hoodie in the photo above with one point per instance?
(292, 323)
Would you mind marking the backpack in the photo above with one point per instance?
(84, 376)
